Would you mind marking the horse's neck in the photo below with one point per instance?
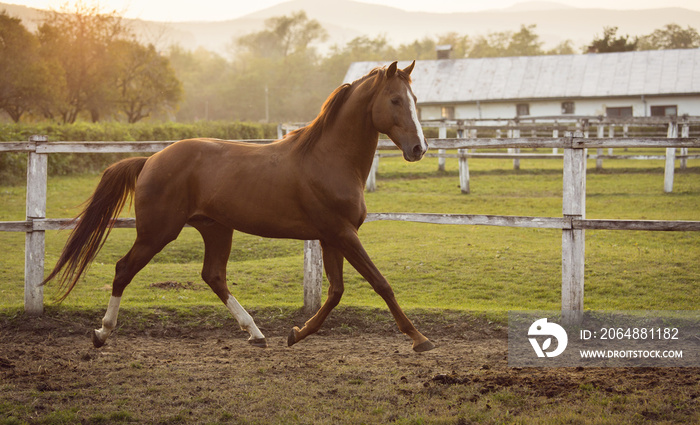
(352, 138)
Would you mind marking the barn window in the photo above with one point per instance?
(522, 109)
(448, 112)
(619, 112)
(664, 111)
(567, 108)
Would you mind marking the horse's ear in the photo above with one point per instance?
(391, 71)
(409, 68)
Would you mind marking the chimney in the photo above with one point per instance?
(443, 51)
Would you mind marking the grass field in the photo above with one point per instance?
(471, 268)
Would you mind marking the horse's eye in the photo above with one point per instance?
(396, 101)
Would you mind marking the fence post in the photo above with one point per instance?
(371, 185)
(37, 175)
(442, 134)
(313, 276)
(670, 158)
(514, 133)
(463, 170)
(573, 240)
(599, 152)
(685, 132)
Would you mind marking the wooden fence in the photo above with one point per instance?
(573, 222)
(513, 130)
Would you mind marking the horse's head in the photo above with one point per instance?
(394, 112)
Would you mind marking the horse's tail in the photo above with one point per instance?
(95, 222)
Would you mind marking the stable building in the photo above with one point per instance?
(615, 85)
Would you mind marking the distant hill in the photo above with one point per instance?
(347, 19)
(537, 5)
(28, 15)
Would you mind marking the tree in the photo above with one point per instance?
(104, 71)
(25, 79)
(204, 76)
(507, 43)
(492, 45)
(145, 81)
(672, 36)
(564, 48)
(524, 42)
(283, 36)
(419, 49)
(275, 73)
(611, 43)
(363, 48)
(80, 42)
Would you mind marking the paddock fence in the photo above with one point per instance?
(535, 128)
(572, 223)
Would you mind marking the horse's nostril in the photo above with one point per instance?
(417, 151)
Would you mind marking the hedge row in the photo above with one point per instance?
(13, 166)
(116, 131)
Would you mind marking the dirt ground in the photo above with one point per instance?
(162, 368)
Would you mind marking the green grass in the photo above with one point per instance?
(474, 268)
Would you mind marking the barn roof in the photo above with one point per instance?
(654, 72)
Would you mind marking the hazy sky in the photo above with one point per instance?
(219, 10)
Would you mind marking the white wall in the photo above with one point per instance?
(686, 105)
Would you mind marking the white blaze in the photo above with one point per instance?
(416, 122)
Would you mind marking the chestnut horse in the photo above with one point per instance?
(308, 185)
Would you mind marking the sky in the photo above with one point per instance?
(220, 10)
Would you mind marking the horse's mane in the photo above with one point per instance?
(306, 137)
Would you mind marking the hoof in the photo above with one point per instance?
(424, 346)
(96, 341)
(258, 342)
(292, 338)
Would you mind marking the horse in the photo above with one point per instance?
(309, 185)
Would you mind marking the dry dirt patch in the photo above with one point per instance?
(358, 369)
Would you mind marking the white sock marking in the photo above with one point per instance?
(244, 319)
(109, 322)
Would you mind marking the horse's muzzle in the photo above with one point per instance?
(416, 153)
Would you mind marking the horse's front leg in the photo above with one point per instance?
(333, 263)
(352, 249)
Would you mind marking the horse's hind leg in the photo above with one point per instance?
(217, 247)
(136, 259)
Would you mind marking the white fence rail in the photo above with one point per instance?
(513, 153)
(573, 222)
